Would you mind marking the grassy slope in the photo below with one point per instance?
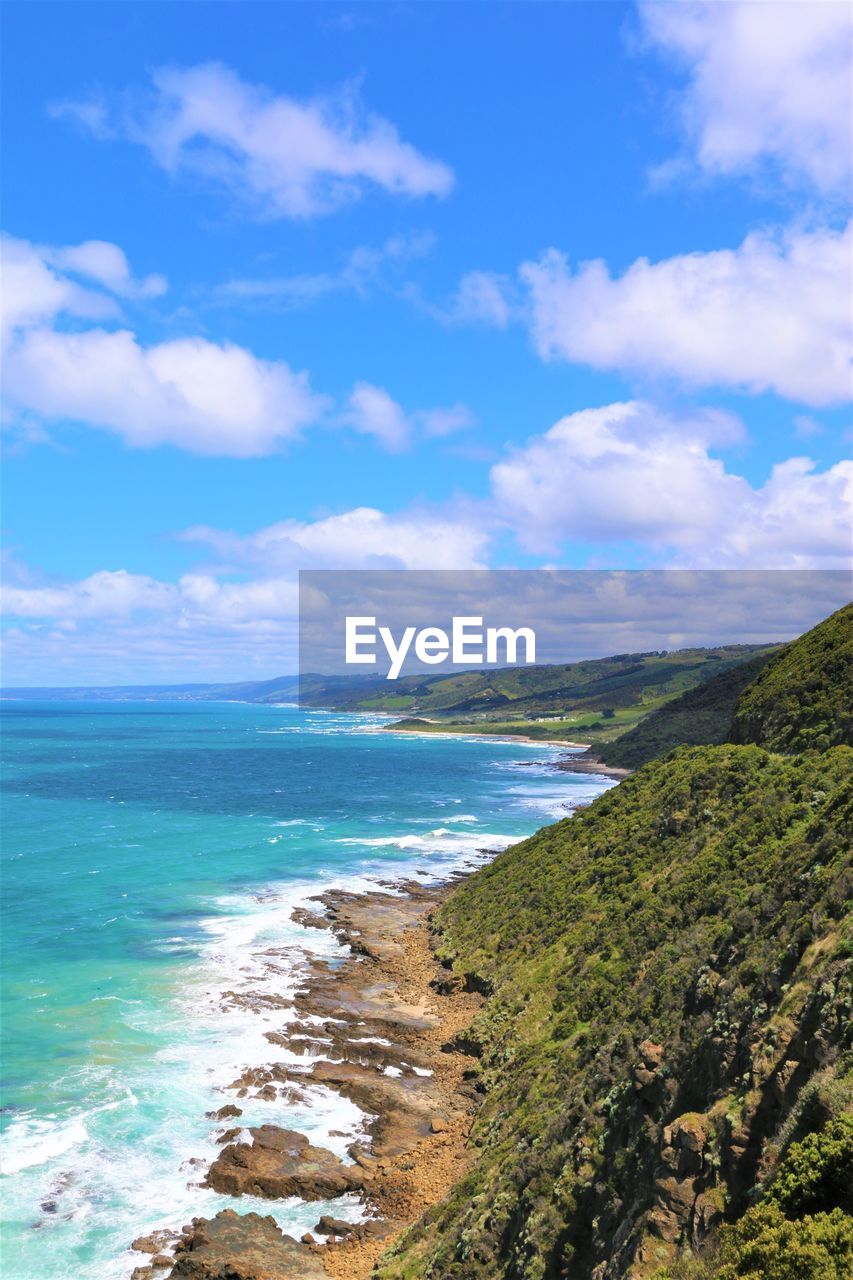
(669, 1014)
(700, 717)
(803, 697)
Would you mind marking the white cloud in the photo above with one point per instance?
(103, 594)
(209, 398)
(229, 619)
(201, 396)
(286, 158)
(625, 474)
(107, 265)
(772, 314)
(43, 282)
(628, 473)
(482, 297)
(33, 293)
(769, 83)
(364, 538)
(371, 411)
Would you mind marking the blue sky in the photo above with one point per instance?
(270, 265)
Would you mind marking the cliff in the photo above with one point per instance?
(664, 1056)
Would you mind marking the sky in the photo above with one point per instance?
(420, 286)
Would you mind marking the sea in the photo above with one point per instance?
(151, 851)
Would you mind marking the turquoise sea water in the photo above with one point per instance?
(150, 852)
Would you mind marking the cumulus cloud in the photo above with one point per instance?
(768, 84)
(234, 615)
(104, 594)
(284, 157)
(42, 282)
(628, 473)
(206, 397)
(772, 314)
(203, 396)
(106, 265)
(199, 395)
(364, 538)
(264, 563)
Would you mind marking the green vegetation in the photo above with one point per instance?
(665, 1053)
(700, 717)
(803, 698)
(801, 1230)
(595, 701)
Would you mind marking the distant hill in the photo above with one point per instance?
(597, 685)
(279, 689)
(596, 699)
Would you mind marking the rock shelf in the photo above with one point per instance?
(384, 1028)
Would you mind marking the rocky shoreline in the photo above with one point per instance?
(384, 1028)
(586, 762)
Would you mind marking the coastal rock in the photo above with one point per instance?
(280, 1163)
(329, 1226)
(228, 1112)
(227, 1135)
(309, 919)
(235, 1246)
(154, 1242)
(372, 1029)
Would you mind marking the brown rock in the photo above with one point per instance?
(652, 1054)
(227, 1135)
(224, 1113)
(235, 1246)
(280, 1163)
(310, 919)
(329, 1226)
(437, 1125)
(688, 1133)
(153, 1242)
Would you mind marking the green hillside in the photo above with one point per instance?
(701, 717)
(593, 701)
(665, 1052)
(803, 697)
